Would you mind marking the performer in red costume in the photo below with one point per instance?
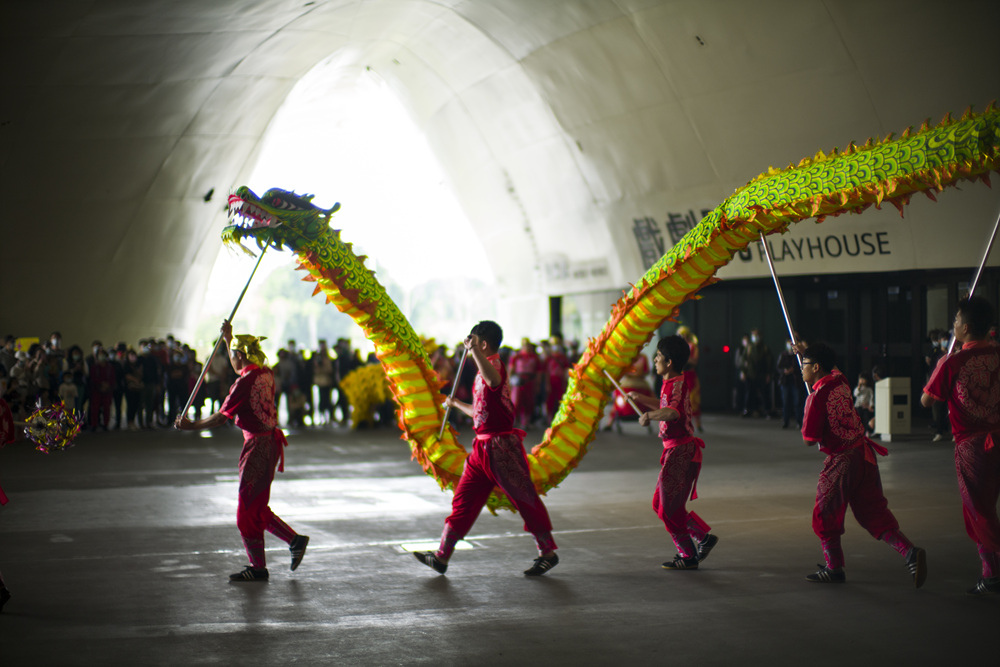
(681, 458)
(250, 404)
(557, 366)
(497, 459)
(969, 381)
(525, 367)
(850, 473)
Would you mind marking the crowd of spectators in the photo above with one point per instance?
(109, 386)
(144, 387)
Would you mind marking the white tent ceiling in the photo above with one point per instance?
(557, 121)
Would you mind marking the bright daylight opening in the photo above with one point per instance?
(347, 138)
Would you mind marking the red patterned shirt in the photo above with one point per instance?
(492, 408)
(969, 381)
(250, 403)
(676, 394)
(830, 419)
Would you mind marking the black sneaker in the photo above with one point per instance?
(4, 596)
(542, 565)
(250, 573)
(827, 576)
(298, 548)
(681, 563)
(916, 562)
(985, 587)
(430, 559)
(706, 545)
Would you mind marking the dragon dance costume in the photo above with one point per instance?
(879, 173)
(969, 381)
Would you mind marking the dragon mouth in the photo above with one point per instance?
(248, 215)
(279, 218)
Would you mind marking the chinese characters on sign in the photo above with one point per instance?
(650, 238)
(650, 241)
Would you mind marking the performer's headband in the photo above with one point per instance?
(250, 346)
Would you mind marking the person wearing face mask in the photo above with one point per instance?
(38, 365)
(95, 347)
(117, 359)
(102, 386)
(67, 391)
(939, 409)
(18, 379)
(757, 365)
(7, 358)
(91, 361)
(55, 345)
(78, 370)
(178, 381)
(133, 389)
(55, 363)
(152, 378)
(793, 390)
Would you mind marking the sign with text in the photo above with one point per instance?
(846, 246)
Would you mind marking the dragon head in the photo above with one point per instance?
(276, 219)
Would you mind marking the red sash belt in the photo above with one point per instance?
(499, 434)
(279, 438)
(871, 449)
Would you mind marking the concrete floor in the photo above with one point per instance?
(117, 552)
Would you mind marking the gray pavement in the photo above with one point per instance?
(118, 550)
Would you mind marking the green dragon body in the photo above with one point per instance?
(891, 170)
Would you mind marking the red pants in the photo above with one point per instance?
(258, 460)
(681, 467)
(849, 479)
(979, 485)
(100, 404)
(499, 461)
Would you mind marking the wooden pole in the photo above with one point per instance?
(204, 369)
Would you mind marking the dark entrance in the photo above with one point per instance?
(869, 319)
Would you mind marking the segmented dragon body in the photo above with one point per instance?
(891, 170)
